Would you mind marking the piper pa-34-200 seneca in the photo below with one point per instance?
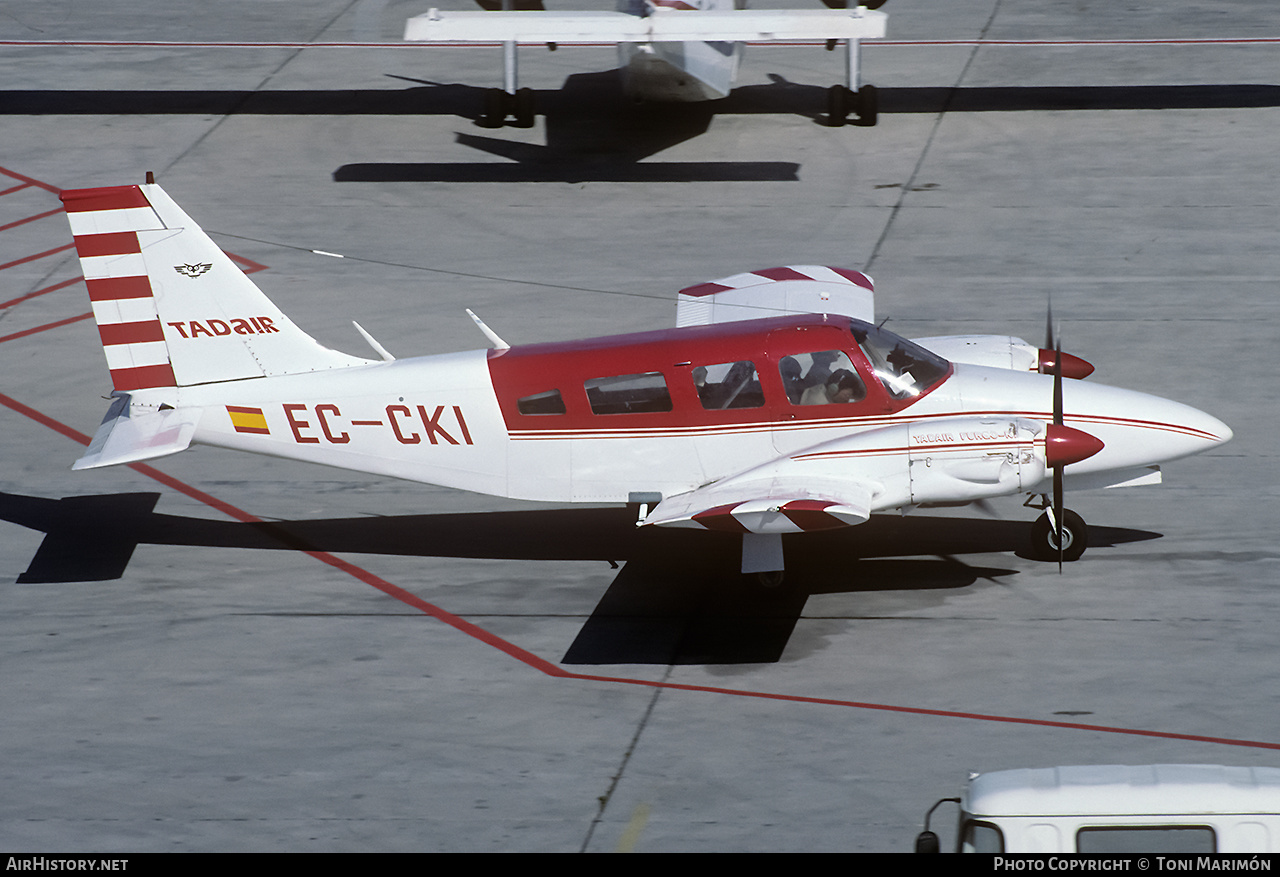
(775, 406)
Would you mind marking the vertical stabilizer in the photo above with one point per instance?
(171, 307)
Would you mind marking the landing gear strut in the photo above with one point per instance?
(853, 96)
(1044, 539)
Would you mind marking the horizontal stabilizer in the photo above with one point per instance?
(122, 438)
(730, 25)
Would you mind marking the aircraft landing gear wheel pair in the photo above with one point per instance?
(498, 105)
(1044, 542)
(863, 103)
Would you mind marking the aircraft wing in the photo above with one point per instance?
(737, 25)
(784, 504)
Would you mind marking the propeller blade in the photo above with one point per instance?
(1049, 342)
(1057, 470)
(1057, 387)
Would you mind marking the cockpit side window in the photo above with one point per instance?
(824, 377)
(905, 368)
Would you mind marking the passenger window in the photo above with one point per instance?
(1147, 839)
(628, 394)
(549, 402)
(825, 377)
(728, 385)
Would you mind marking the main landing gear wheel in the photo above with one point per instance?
(1044, 542)
(863, 103)
(498, 105)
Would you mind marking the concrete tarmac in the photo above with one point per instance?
(220, 652)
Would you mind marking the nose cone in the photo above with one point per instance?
(1072, 366)
(1138, 429)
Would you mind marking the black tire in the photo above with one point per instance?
(524, 108)
(867, 103)
(837, 105)
(1075, 537)
(495, 108)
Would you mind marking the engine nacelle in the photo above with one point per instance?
(1005, 351)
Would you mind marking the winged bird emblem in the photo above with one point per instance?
(193, 270)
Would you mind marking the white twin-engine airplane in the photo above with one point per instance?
(775, 406)
(669, 50)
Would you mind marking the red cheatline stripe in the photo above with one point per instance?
(114, 288)
(112, 198)
(114, 243)
(143, 377)
(131, 333)
(63, 285)
(533, 661)
(18, 222)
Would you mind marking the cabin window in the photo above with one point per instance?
(1147, 839)
(825, 377)
(549, 402)
(728, 385)
(628, 394)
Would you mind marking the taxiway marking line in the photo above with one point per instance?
(547, 667)
(195, 44)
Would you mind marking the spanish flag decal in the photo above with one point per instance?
(249, 420)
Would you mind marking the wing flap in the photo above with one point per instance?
(739, 25)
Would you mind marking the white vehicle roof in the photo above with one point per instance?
(1115, 789)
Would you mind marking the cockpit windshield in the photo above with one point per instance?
(905, 368)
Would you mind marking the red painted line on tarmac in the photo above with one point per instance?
(547, 667)
(421, 44)
(19, 222)
(47, 326)
(36, 256)
(26, 181)
(63, 285)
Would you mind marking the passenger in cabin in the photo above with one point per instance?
(790, 370)
(820, 370)
(841, 387)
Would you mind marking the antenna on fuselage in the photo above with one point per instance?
(497, 342)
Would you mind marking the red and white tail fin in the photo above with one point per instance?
(172, 309)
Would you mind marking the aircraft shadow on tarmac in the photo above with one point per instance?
(594, 133)
(679, 599)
